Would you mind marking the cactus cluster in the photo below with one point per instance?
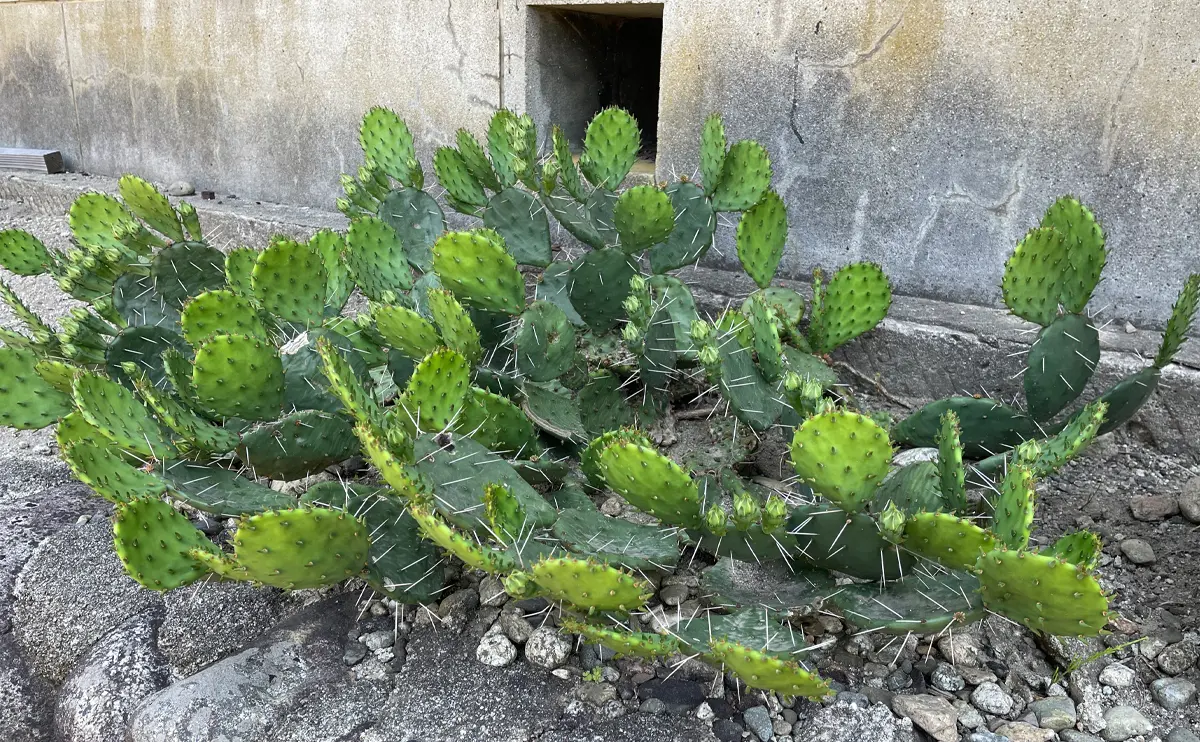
(493, 415)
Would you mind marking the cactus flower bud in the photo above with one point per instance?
(891, 523)
(631, 334)
(637, 284)
(519, 585)
(775, 514)
(709, 357)
(714, 521)
(701, 331)
(746, 511)
(632, 305)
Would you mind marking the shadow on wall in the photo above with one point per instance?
(37, 110)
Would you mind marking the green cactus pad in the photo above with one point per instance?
(386, 141)
(842, 455)
(589, 585)
(1080, 430)
(495, 422)
(239, 270)
(745, 177)
(94, 217)
(197, 431)
(924, 602)
(911, 488)
(856, 300)
(504, 513)
(114, 410)
(345, 385)
(601, 207)
(659, 354)
(575, 217)
(295, 549)
(761, 670)
(23, 254)
(712, 152)
(505, 144)
(545, 342)
(471, 552)
(599, 283)
(436, 391)
(589, 458)
(329, 246)
(652, 483)
(830, 538)
(239, 376)
(463, 191)
(520, 219)
(476, 160)
(695, 222)
(220, 312)
(291, 282)
(643, 216)
(153, 542)
(732, 583)
(1014, 509)
(1034, 274)
(602, 405)
(1080, 548)
(623, 643)
(1086, 255)
(298, 445)
(57, 374)
(418, 220)
(951, 472)
(151, 206)
(1127, 396)
(477, 268)
(222, 492)
(187, 269)
(99, 466)
(610, 148)
(765, 326)
(405, 330)
(553, 411)
(305, 385)
(460, 472)
(454, 323)
(27, 401)
(73, 427)
(554, 287)
(761, 236)
(955, 542)
(376, 259)
(1183, 313)
(589, 534)
(1043, 593)
(988, 427)
(1060, 364)
(750, 397)
(391, 460)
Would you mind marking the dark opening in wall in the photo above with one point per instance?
(582, 58)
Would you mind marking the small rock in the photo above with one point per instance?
(1137, 551)
(704, 712)
(968, 716)
(597, 694)
(1153, 508)
(992, 699)
(1057, 712)
(976, 675)
(897, 680)
(1018, 731)
(758, 719)
(843, 721)
(1071, 735)
(1181, 734)
(1129, 328)
(611, 506)
(355, 653)
(515, 627)
(960, 650)
(181, 188)
(456, 609)
(1117, 675)
(377, 640)
(673, 594)
(1123, 722)
(495, 650)
(371, 669)
(547, 648)
(1173, 693)
(656, 706)
(1189, 501)
(491, 592)
(945, 677)
(985, 736)
(934, 714)
(1178, 657)
(725, 730)
(680, 696)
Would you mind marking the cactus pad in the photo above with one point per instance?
(291, 282)
(988, 427)
(1034, 274)
(623, 643)
(94, 217)
(616, 541)
(1080, 548)
(22, 253)
(472, 553)
(765, 326)
(222, 492)
(589, 458)
(1043, 593)
(1127, 396)
(745, 177)
(602, 406)
(830, 538)
(495, 422)
(476, 159)
(186, 269)
(220, 312)
(114, 410)
(842, 455)
(344, 383)
(477, 268)
(553, 410)
(695, 222)
(1014, 509)
(143, 346)
(1060, 364)
(300, 444)
(376, 259)
(418, 220)
(100, 467)
(1086, 255)
(856, 300)
(925, 602)
(295, 549)
(457, 330)
(643, 216)
(520, 219)
(599, 283)
(154, 542)
(463, 191)
(329, 247)
(946, 538)
(910, 488)
(504, 513)
(436, 391)
(761, 670)
(27, 401)
(713, 147)
(651, 482)
(506, 132)
(761, 236)
(545, 342)
(1183, 313)
(151, 206)
(239, 270)
(951, 472)
(610, 147)
(731, 583)
(590, 586)
(405, 330)
(387, 142)
(239, 376)
(197, 431)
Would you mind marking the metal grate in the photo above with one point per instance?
(41, 160)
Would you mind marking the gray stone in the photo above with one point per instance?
(515, 627)
(455, 611)
(986, 736)
(1173, 693)
(1072, 735)
(377, 640)
(1137, 551)
(491, 592)
(72, 592)
(653, 706)
(934, 714)
(107, 684)
(849, 722)
(1117, 675)
(758, 719)
(495, 650)
(1153, 508)
(1057, 712)
(992, 699)
(968, 716)
(1182, 734)
(547, 648)
(960, 650)
(355, 653)
(1017, 731)
(1178, 657)
(23, 713)
(1123, 722)
(181, 188)
(945, 677)
(1189, 500)
(673, 594)
(596, 694)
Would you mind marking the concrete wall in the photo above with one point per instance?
(927, 135)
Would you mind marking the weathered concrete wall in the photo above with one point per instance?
(927, 135)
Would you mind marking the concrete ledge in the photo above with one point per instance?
(924, 350)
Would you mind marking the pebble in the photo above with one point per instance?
(704, 712)
(961, 650)
(355, 653)
(547, 648)
(758, 719)
(897, 680)
(944, 677)
(992, 699)
(1124, 722)
(968, 716)
(372, 669)
(1137, 551)
(1117, 675)
(673, 594)
(1018, 731)
(976, 675)
(1055, 713)
(1173, 693)
(491, 592)
(1182, 734)
(1189, 500)
(934, 714)
(725, 730)
(611, 506)
(515, 627)
(181, 188)
(653, 706)
(495, 650)
(985, 736)
(377, 640)
(1071, 735)
(1178, 657)
(1152, 508)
